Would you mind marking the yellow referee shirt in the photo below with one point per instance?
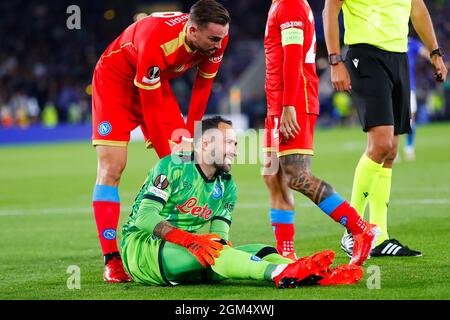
(381, 23)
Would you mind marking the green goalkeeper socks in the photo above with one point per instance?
(277, 259)
(240, 265)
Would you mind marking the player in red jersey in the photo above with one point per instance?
(293, 107)
(131, 88)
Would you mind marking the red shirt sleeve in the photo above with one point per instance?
(148, 80)
(290, 15)
(201, 90)
(152, 100)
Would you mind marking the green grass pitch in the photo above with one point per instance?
(47, 224)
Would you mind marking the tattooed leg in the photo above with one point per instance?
(297, 168)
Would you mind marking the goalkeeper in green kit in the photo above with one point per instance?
(181, 194)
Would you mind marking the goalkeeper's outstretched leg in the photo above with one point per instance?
(152, 261)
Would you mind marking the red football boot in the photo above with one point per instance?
(344, 274)
(305, 271)
(291, 255)
(364, 243)
(114, 271)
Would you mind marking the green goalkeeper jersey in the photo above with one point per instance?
(186, 198)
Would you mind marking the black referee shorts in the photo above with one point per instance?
(380, 87)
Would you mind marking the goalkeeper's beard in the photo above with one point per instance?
(222, 167)
(225, 164)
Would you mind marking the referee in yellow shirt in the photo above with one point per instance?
(376, 73)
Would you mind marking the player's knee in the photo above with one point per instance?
(280, 196)
(271, 181)
(271, 166)
(391, 156)
(110, 173)
(381, 149)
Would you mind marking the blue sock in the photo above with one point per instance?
(106, 204)
(105, 193)
(281, 216)
(330, 204)
(411, 136)
(283, 227)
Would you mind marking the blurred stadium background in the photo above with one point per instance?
(46, 69)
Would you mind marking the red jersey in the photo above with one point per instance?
(153, 50)
(290, 48)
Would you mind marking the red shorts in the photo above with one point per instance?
(117, 110)
(301, 144)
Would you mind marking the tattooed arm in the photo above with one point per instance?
(148, 219)
(162, 229)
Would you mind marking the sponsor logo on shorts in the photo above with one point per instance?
(217, 193)
(255, 258)
(109, 234)
(104, 128)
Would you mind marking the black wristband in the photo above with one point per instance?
(438, 52)
(334, 59)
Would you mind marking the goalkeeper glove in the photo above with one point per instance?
(203, 246)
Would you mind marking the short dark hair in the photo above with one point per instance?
(209, 123)
(206, 11)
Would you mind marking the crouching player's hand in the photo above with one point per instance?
(204, 247)
(289, 127)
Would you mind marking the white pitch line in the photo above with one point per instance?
(43, 211)
(400, 202)
(344, 190)
(243, 205)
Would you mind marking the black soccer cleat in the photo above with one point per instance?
(393, 248)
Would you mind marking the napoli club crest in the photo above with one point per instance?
(109, 234)
(104, 128)
(217, 193)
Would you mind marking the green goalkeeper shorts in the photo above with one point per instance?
(152, 261)
(141, 256)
